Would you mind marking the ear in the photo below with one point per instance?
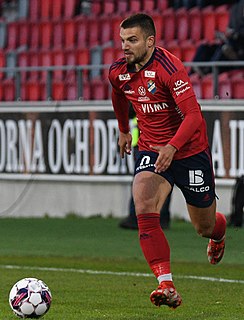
(150, 41)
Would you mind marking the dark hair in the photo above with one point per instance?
(142, 20)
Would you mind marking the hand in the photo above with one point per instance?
(124, 143)
(165, 157)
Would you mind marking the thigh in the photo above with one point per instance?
(150, 191)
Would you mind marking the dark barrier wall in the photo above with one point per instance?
(82, 140)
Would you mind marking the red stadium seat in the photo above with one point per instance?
(209, 23)
(34, 36)
(174, 47)
(158, 21)
(72, 91)
(237, 84)
(108, 7)
(195, 24)
(116, 20)
(188, 50)
(23, 33)
(106, 30)
(59, 90)
(2, 63)
(57, 9)
(59, 35)
(46, 34)
(1, 92)
(23, 61)
(134, 6)
(34, 10)
(169, 24)
(148, 6)
(34, 60)
(8, 90)
(108, 58)
(86, 91)
(96, 8)
(182, 20)
(94, 32)
(222, 14)
(224, 86)
(71, 60)
(118, 53)
(58, 58)
(196, 83)
(82, 30)
(70, 8)
(69, 34)
(12, 35)
(161, 5)
(83, 58)
(122, 7)
(32, 91)
(46, 7)
(207, 87)
(99, 90)
(46, 60)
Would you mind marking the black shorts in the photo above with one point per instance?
(193, 175)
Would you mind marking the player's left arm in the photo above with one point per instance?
(191, 122)
(188, 108)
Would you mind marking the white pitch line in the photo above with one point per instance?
(132, 274)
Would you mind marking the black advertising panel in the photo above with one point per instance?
(77, 142)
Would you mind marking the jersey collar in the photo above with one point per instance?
(131, 67)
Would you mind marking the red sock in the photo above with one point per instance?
(153, 243)
(220, 227)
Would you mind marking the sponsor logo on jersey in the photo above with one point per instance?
(151, 87)
(181, 87)
(142, 91)
(150, 74)
(153, 107)
(123, 77)
(182, 91)
(143, 98)
(127, 89)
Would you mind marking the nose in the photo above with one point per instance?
(125, 45)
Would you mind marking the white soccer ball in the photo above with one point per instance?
(30, 298)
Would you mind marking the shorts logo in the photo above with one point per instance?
(145, 163)
(196, 178)
(145, 160)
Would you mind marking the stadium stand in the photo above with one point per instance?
(78, 32)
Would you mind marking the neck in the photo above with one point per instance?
(141, 64)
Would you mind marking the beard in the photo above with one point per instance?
(133, 59)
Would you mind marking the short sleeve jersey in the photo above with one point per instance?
(155, 92)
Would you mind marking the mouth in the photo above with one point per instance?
(127, 54)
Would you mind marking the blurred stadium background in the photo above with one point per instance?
(58, 134)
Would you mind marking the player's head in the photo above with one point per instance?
(137, 33)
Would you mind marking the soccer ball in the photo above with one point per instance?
(30, 298)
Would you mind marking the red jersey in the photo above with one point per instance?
(164, 101)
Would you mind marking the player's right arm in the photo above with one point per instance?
(121, 109)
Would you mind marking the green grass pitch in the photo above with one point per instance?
(96, 270)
